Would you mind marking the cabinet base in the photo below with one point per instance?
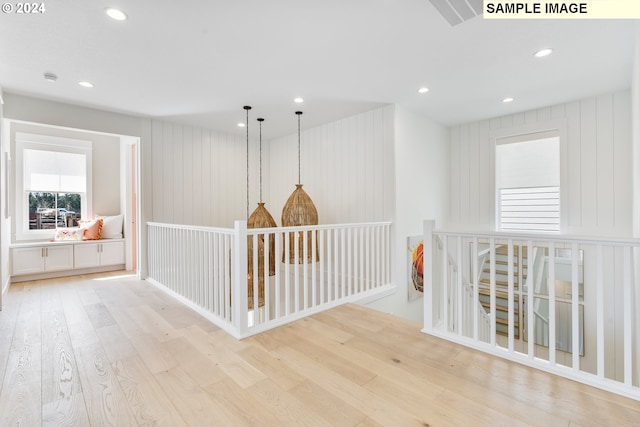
(62, 273)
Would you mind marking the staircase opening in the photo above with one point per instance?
(532, 270)
(502, 278)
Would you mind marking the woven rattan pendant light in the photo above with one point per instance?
(299, 210)
(261, 218)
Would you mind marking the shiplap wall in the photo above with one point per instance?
(596, 168)
(199, 175)
(346, 168)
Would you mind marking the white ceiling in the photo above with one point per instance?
(198, 62)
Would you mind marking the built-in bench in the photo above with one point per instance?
(40, 260)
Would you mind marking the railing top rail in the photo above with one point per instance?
(192, 227)
(546, 237)
(316, 227)
(252, 231)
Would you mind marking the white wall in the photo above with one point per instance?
(596, 169)
(635, 108)
(199, 175)
(635, 101)
(421, 157)
(346, 168)
(5, 223)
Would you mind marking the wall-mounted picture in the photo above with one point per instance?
(415, 266)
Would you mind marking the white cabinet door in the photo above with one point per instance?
(58, 258)
(87, 255)
(112, 253)
(27, 260)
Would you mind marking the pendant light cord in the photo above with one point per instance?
(260, 120)
(299, 113)
(247, 108)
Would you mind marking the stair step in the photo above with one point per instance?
(503, 272)
(502, 308)
(487, 282)
(501, 267)
(499, 294)
(504, 250)
(505, 262)
(506, 322)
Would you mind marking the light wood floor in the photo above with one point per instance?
(82, 351)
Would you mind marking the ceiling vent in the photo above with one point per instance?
(457, 11)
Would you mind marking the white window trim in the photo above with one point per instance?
(52, 143)
(514, 134)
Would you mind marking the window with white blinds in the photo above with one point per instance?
(528, 182)
(53, 171)
(53, 184)
(530, 209)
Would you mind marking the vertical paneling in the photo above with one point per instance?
(214, 193)
(531, 116)
(357, 125)
(622, 154)
(494, 124)
(464, 174)
(574, 193)
(595, 154)
(388, 164)
(588, 164)
(199, 176)
(454, 214)
(377, 154)
(474, 173)
(205, 141)
(157, 171)
(178, 175)
(518, 119)
(189, 178)
(486, 191)
(347, 168)
(370, 193)
(167, 173)
(543, 114)
(328, 177)
(605, 164)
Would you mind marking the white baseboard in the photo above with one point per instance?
(64, 273)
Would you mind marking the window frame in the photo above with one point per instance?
(47, 143)
(526, 132)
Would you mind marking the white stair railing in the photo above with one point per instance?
(465, 313)
(208, 269)
(590, 333)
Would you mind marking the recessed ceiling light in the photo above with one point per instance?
(423, 90)
(298, 100)
(507, 100)
(85, 84)
(116, 14)
(50, 77)
(543, 52)
(241, 125)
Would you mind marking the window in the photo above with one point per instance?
(53, 182)
(528, 182)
